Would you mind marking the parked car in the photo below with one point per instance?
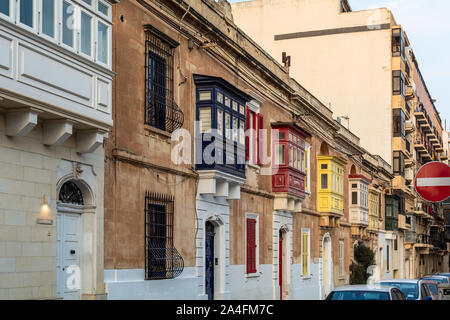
(411, 289)
(365, 292)
(439, 279)
(433, 287)
(445, 274)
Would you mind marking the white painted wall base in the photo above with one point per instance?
(305, 288)
(251, 288)
(129, 284)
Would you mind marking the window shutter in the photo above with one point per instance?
(205, 120)
(247, 138)
(251, 245)
(260, 138)
(305, 254)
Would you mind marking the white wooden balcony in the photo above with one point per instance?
(42, 79)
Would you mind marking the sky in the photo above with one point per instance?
(427, 25)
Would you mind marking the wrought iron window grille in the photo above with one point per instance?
(161, 111)
(162, 260)
(70, 193)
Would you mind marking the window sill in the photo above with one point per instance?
(254, 166)
(253, 275)
(159, 132)
(306, 277)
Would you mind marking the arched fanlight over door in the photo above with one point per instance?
(70, 193)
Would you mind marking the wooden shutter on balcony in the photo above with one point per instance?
(260, 138)
(247, 138)
(251, 245)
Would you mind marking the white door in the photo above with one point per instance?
(326, 267)
(68, 272)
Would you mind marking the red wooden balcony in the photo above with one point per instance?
(289, 164)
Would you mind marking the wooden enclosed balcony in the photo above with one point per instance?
(290, 166)
(402, 222)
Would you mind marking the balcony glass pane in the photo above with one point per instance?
(68, 24)
(354, 198)
(26, 12)
(291, 156)
(220, 121)
(280, 152)
(241, 131)
(324, 181)
(4, 7)
(235, 129)
(103, 8)
(227, 125)
(86, 34)
(102, 43)
(219, 97)
(48, 17)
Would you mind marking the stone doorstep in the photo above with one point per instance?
(94, 296)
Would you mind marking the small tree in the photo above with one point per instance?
(364, 257)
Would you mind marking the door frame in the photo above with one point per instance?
(212, 236)
(284, 268)
(88, 226)
(219, 254)
(280, 263)
(327, 265)
(62, 210)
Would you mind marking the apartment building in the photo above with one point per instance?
(225, 178)
(362, 66)
(55, 111)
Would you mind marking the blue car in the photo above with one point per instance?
(445, 274)
(438, 278)
(411, 289)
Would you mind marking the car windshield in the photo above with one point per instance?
(433, 288)
(359, 295)
(410, 290)
(439, 280)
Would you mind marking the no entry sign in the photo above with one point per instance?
(433, 182)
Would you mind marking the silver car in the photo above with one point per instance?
(412, 289)
(366, 292)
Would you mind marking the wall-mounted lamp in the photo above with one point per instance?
(191, 44)
(45, 211)
(45, 203)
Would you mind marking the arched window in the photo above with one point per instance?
(70, 193)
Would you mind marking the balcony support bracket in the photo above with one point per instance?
(19, 123)
(56, 132)
(89, 140)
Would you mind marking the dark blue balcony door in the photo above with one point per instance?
(209, 260)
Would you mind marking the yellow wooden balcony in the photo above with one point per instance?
(331, 185)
